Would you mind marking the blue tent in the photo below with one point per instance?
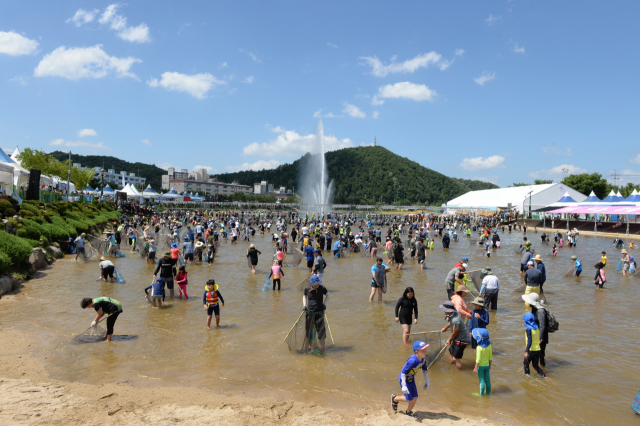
(592, 198)
(108, 190)
(613, 198)
(171, 194)
(566, 199)
(634, 197)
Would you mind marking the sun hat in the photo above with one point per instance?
(102, 258)
(478, 301)
(448, 307)
(487, 270)
(623, 251)
(462, 288)
(174, 245)
(252, 246)
(533, 299)
(420, 346)
(530, 262)
(537, 257)
(464, 265)
(482, 336)
(573, 258)
(167, 254)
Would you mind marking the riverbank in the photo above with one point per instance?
(30, 397)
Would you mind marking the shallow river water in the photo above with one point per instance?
(592, 361)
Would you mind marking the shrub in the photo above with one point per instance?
(5, 262)
(30, 208)
(45, 241)
(26, 213)
(16, 248)
(13, 201)
(38, 219)
(62, 224)
(10, 212)
(32, 243)
(4, 205)
(28, 232)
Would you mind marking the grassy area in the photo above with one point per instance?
(41, 225)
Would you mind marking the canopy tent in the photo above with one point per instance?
(599, 210)
(44, 180)
(6, 167)
(89, 190)
(172, 194)
(592, 198)
(150, 193)
(130, 191)
(135, 190)
(613, 198)
(107, 190)
(634, 197)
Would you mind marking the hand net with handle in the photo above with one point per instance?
(309, 334)
(434, 340)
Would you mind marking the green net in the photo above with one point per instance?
(434, 340)
(310, 334)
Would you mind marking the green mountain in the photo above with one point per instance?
(369, 174)
(149, 171)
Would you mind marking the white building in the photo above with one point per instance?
(263, 188)
(184, 174)
(111, 176)
(520, 198)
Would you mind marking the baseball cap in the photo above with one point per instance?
(530, 262)
(314, 279)
(465, 259)
(420, 346)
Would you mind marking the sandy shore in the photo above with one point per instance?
(30, 397)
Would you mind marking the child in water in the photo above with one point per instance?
(414, 364)
(181, 280)
(600, 277)
(554, 250)
(210, 302)
(560, 242)
(532, 351)
(484, 358)
(603, 259)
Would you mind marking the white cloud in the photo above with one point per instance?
(459, 52)
(76, 144)
(493, 19)
(289, 143)
(258, 165)
(484, 77)
(165, 166)
(406, 90)
(83, 62)
(375, 101)
(318, 114)
(115, 21)
(249, 79)
(518, 49)
(14, 44)
(83, 17)
(19, 79)
(252, 56)
(480, 163)
(146, 142)
(557, 171)
(375, 114)
(425, 60)
(557, 151)
(87, 132)
(636, 159)
(353, 111)
(197, 85)
(332, 45)
(224, 65)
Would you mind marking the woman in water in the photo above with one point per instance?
(252, 254)
(406, 307)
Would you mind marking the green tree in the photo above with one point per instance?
(521, 184)
(585, 183)
(81, 177)
(542, 181)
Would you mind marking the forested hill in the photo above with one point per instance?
(149, 171)
(370, 174)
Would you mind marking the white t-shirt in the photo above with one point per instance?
(105, 263)
(490, 282)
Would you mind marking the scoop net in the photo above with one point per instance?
(88, 252)
(519, 250)
(571, 272)
(476, 277)
(91, 335)
(294, 258)
(434, 340)
(310, 334)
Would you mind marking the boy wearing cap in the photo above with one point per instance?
(414, 364)
(157, 292)
(484, 358)
(210, 302)
(578, 265)
(457, 342)
(314, 301)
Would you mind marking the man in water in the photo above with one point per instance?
(314, 303)
(167, 271)
(308, 253)
(80, 245)
(318, 265)
(453, 280)
(459, 338)
(106, 269)
(104, 305)
(378, 274)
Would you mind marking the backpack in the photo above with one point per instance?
(552, 323)
(394, 248)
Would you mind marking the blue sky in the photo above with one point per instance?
(501, 91)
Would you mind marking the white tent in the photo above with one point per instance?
(150, 193)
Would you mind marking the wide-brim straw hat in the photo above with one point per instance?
(478, 301)
(533, 299)
(537, 257)
(462, 288)
(102, 258)
(623, 251)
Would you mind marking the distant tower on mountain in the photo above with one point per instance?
(375, 142)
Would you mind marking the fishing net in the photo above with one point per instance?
(381, 278)
(294, 258)
(310, 334)
(304, 284)
(571, 272)
(435, 350)
(144, 251)
(119, 277)
(91, 335)
(475, 277)
(619, 265)
(519, 250)
(88, 252)
(344, 251)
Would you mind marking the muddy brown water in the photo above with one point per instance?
(592, 360)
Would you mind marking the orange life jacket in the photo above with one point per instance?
(212, 298)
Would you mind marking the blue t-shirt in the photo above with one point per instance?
(373, 270)
(411, 368)
(578, 265)
(336, 245)
(308, 252)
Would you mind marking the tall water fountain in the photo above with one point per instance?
(315, 188)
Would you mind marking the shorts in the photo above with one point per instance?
(405, 319)
(374, 284)
(151, 255)
(421, 260)
(80, 250)
(315, 320)
(523, 267)
(156, 297)
(169, 283)
(213, 309)
(413, 390)
(457, 350)
(399, 259)
(108, 272)
(578, 273)
(309, 263)
(188, 256)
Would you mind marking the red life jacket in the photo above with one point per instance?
(212, 298)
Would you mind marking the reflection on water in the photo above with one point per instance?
(593, 374)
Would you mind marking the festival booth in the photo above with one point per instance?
(149, 193)
(107, 191)
(172, 195)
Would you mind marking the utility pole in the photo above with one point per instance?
(69, 177)
(530, 192)
(564, 170)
